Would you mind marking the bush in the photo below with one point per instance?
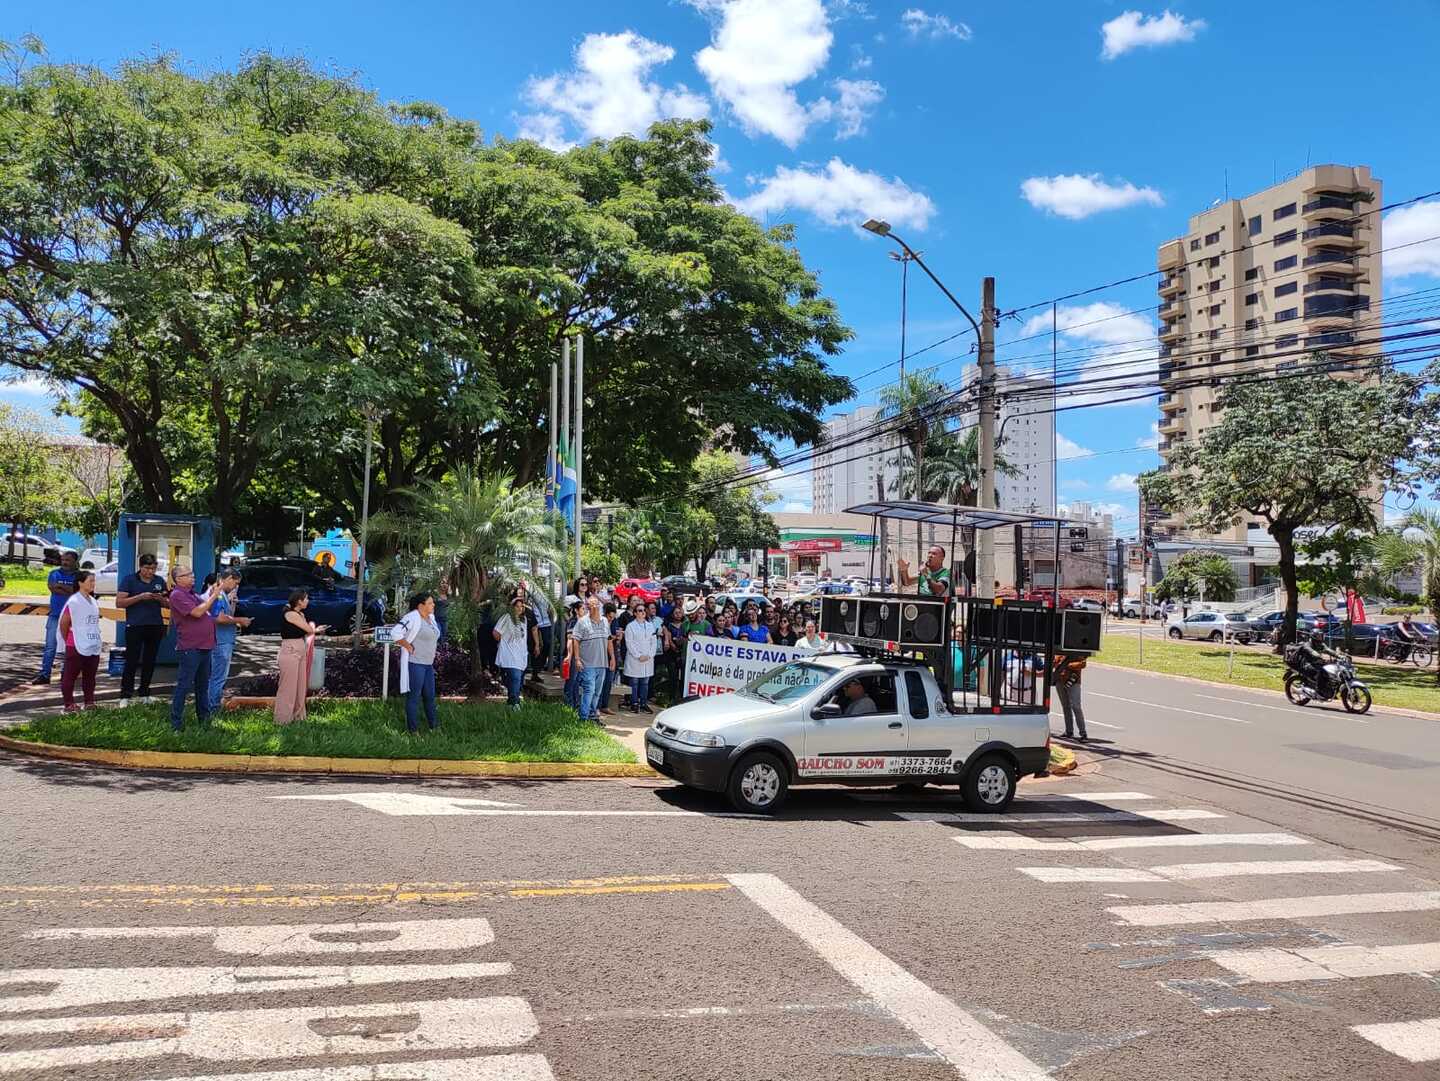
(1402, 610)
(355, 673)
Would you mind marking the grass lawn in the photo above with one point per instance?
(1405, 687)
(24, 581)
(538, 732)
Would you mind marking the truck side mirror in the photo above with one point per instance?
(825, 711)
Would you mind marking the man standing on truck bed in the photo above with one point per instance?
(934, 577)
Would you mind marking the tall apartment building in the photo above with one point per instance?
(1026, 435)
(1265, 284)
(845, 476)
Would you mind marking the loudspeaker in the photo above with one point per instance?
(1079, 631)
(1017, 625)
(922, 623)
(840, 615)
(880, 618)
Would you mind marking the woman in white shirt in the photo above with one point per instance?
(512, 656)
(80, 630)
(640, 648)
(419, 637)
(811, 638)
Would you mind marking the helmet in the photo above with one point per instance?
(1317, 639)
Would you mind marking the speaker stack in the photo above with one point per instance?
(886, 623)
(1079, 631)
(840, 615)
(880, 619)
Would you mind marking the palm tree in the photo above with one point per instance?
(915, 403)
(636, 540)
(472, 529)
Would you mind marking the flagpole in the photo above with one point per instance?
(564, 450)
(550, 437)
(579, 440)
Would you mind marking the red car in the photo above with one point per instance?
(645, 588)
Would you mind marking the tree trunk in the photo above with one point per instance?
(1285, 540)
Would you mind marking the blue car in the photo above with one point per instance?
(266, 584)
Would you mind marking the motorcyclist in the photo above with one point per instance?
(1405, 638)
(1312, 657)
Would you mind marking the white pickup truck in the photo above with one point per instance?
(843, 718)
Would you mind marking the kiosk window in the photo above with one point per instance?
(915, 695)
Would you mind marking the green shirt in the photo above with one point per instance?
(927, 576)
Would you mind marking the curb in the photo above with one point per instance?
(1421, 714)
(301, 764)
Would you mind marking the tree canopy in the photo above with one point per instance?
(225, 270)
(1311, 451)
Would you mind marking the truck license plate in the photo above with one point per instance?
(655, 754)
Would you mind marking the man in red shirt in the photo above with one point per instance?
(194, 639)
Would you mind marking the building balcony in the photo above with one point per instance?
(1335, 307)
(1339, 233)
(1172, 332)
(1330, 340)
(1171, 423)
(1169, 399)
(1330, 285)
(1327, 256)
(1330, 201)
(1172, 286)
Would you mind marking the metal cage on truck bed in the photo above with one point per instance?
(990, 655)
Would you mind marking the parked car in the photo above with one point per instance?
(1270, 623)
(646, 589)
(680, 583)
(740, 597)
(1130, 607)
(1087, 604)
(93, 559)
(266, 584)
(18, 547)
(107, 578)
(1211, 626)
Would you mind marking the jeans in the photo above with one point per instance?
(422, 687)
(52, 634)
(219, 671)
(640, 691)
(194, 675)
(514, 680)
(609, 685)
(572, 688)
(541, 662)
(1070, 703)
(591, 680)
(142, 646)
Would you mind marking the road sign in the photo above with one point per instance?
(1077, 546)
(1079, 532)
(387, 635)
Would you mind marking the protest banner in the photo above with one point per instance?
(722, 665)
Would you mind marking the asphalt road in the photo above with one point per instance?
(1129, 922)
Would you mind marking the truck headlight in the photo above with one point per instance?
(699, 739)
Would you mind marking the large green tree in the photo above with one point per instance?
(1199, 574)
(1299, 452)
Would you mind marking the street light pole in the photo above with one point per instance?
(301, 511)
(364, 530)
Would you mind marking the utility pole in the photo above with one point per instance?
(364, 531)
(985, 563)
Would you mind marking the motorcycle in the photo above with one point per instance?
(1339, 682)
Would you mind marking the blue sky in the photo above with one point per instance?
(1052, 145)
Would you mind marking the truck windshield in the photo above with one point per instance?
(789, 681)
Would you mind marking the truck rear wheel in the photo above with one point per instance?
(990, 786)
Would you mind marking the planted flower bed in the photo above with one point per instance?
(355, 673)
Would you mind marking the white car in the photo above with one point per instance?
(93, 559)
(1131, 607)
(23, 547)
(107, 577)
(1211, 626)
(1087, 604)
(788, 727)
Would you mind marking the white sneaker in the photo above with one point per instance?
(123, 702)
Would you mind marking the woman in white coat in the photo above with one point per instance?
(420, 634)
(641, 641)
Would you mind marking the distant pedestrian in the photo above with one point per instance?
(674, 637)
(573, 611)
(640, 650)
(61, 584)
(751, 628)
(194, 642)
(592, 655)
(442, 604)
(228, 624)
(696, 621)
(784, 633)
(297, 649)
(79, 628)
(143, 598)
(545, 624)
(1065, 678)
(609, 610)
(419, 636)
(811, 638)
(513, 651)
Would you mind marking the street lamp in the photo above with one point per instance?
(882, 228)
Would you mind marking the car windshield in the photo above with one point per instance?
(787, 682)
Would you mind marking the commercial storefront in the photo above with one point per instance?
(838, 552)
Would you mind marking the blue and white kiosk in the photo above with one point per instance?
(172, 539)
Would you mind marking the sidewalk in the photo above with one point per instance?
(628, 728)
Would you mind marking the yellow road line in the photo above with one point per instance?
(572, 891)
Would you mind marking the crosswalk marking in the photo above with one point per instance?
(1100, 797)
(1185, 872)
(486, 1068)
(1275, 908)
(270, 938)
(295, 1032)
(1182, 814)
(1415, 1041)
(1011, 842)
(1330, 962)
(74, 987)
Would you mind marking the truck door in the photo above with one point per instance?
(855, 745)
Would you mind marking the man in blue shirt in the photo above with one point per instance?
(62, 587)
(228, 624)
(143, 597)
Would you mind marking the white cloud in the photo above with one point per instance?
(1410, 225)
(547, 129)
(1076, 196)
(759, 52)
(1102, 322)
(1121, 482)
(1065, 447)
(921, 24)
(1132, 30)
(608, 92)
(848, 9)
(1096, 509)
(857, 98)
(1151, 441)
(1125, 352)
(860, 60)
(839, 194)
